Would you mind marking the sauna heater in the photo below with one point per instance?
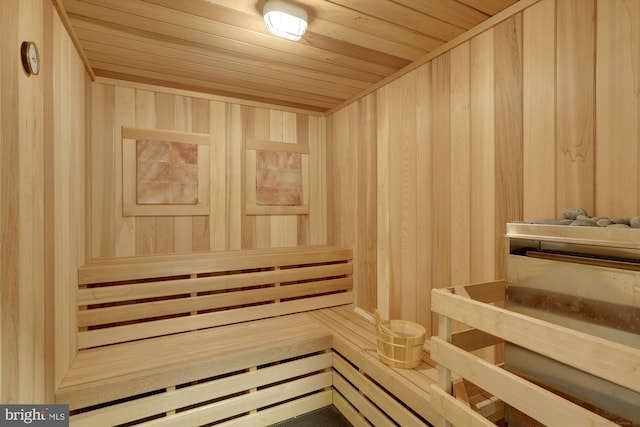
(584, 278)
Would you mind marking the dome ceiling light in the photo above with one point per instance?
(285, 20)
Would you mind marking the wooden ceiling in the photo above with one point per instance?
(222, 46)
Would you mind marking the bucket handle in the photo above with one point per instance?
(381, 327)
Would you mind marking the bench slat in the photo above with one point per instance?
(123, 313)
(127, 292)
(99, 337)
(136, 268)
(112, 372)
(148, 406)
(133, 298)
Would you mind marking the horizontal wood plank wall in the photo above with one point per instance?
(526, 119)
(227, 226)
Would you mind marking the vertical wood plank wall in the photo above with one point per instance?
(536, 114)
(42, 201)
(65, 195)
(227, 226)
(22, 362)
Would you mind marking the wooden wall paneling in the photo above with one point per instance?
(575, 104)
(218, 206)
(424, 184)
(342, 171)
(282, 127)
(460, 71)
(440, 167)
(30, 315)
(441, 172)
(52, 42)
(234, 172)
(9, 207)
(164, 227)
(409, 195)
(393, 161)
(366, 204)
(318, 180)
(22, 262)
(200, 224)
(263, 223)
(383, 294)
(78, 121)
(145, 117)
(256, 229)
(508, 132)
(483, 252)
(617, 109)
(125, 113)
(302, 137)
(183, 225)
(66, 179)
(102, 163)
(539, 112)
(290, 222)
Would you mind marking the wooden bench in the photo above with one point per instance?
(201, 338)
(236, 338)
(369, 392)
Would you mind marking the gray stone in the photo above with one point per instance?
(572, 213)
(635, 222)
(614, 225)
(603, 222)
(621, 220)
(584, 223)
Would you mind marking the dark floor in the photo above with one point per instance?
(324, 417)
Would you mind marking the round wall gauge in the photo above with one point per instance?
(30, 57)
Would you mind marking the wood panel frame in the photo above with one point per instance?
(252, 208)
(129, 205)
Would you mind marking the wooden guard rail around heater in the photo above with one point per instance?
(127, 299)
(473, 306)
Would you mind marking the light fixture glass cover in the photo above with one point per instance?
(284, 19)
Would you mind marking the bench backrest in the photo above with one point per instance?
(125, 299)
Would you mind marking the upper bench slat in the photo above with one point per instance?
(134, 268)
(126, 299)
(127, 292)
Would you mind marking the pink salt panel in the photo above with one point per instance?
(278, 178)
(167, 173)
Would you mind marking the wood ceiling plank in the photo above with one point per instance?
(324, 15)
(404, 17)
(450, 11)
(348, 34)
(92, 32)
(221, 47)
(168, 80)
(130, 56)
(490, 7)
(161, 22)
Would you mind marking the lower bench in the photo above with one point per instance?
(253, 373)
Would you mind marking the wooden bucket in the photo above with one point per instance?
(399, 342)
